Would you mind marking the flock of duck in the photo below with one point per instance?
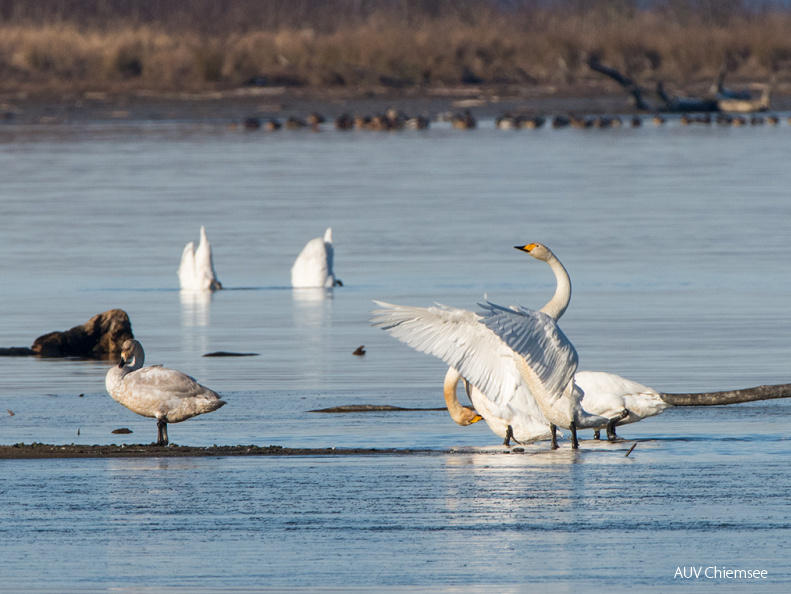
(394, 119)
(518, 368)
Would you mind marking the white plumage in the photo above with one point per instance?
(517, 358)
(313, 266)
(522, 420)
(157, 392)
(607, 394)
(196, 271)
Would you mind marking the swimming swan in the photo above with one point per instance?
(196, 271)
(313, 266)
(518, 358)
(167, 395)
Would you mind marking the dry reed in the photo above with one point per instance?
(364, 44)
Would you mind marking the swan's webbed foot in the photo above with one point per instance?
(611, 436)
(554, 430)
(597, 434)
(574, 443)
(162, 432)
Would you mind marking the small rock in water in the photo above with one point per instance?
(122, 431)
(360, 351)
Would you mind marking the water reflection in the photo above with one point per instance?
(195, 308)
(312, 307)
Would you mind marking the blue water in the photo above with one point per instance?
(676, 242)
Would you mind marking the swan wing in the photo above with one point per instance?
(538, 339)
(165, 393)
(458, 338)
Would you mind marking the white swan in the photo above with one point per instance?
(607, 394)
(518, 358)
(196, 271)
(167, 395)
(313, 266)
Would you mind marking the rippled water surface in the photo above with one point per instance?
(677, 244)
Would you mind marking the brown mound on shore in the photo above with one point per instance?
(41, 451)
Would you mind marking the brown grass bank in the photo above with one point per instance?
(354, 47)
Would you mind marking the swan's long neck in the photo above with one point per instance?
(461, 414)
(451, 399)
(557, 306)
(137, 360)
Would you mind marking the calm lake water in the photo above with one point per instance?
(676, 240)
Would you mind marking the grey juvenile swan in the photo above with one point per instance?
(166, 395)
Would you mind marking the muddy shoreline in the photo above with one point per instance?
(233, 107)
(38, 451)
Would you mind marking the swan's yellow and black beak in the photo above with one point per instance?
(122, 363)
(526, 248)
(476, 418)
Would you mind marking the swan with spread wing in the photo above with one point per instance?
(517, 359)
(618, 399)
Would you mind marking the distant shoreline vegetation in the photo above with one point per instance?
(209, 45)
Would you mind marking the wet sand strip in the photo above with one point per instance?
(43, 451)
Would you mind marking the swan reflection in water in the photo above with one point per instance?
(195, 307)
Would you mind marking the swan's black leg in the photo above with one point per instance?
(574, 443)
(509, 435)
(611, 436)
(162, 432)
(597, 434)
(554, 430)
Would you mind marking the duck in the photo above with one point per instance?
(464, 121)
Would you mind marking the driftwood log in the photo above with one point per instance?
(721, 99)
(729, 396)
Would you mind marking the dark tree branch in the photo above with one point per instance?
(729, 396)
